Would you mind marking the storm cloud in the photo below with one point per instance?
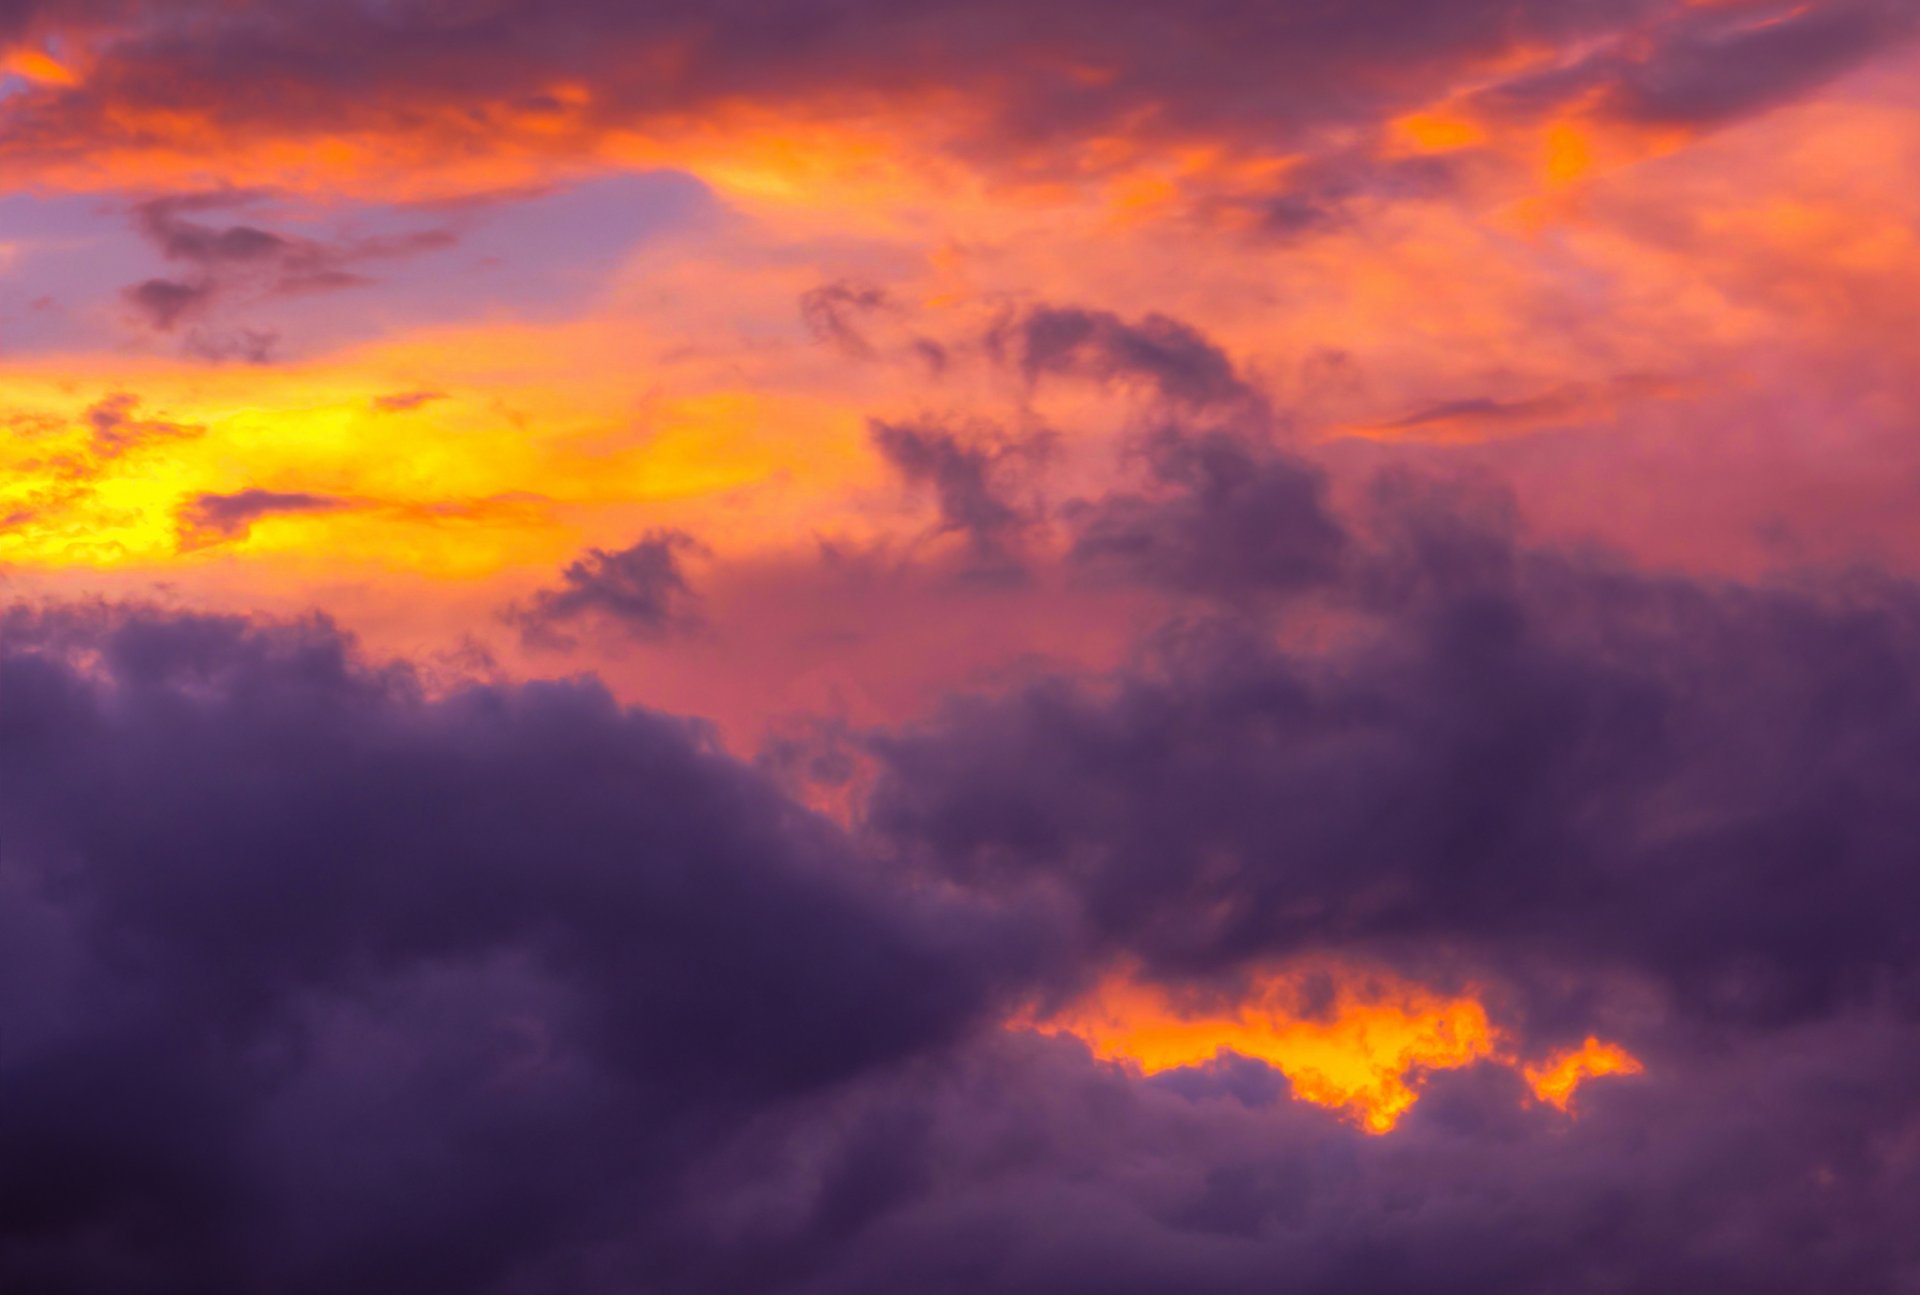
(314, 982)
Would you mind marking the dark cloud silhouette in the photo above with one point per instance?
(1020, 1168)
(165, 222)
(214, 518)
(1170, 357)
(1225, 515)
(163, 303)
(1510, 755)
(1719, 74)
(311, 982)
(641, 591)
(974, 482)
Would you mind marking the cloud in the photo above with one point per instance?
(117, 431)
(311, 981)
(403, 401)
(1171, 358)
(439, 84)
(832, 313)
(507, 987)
(1022, 1168)
(1723, 73)
(1518, 757)
(641, 591)
(165, 302)
(236, 264)
(1482, 416)
(971, 480)
(1225, 515)
(216, 518)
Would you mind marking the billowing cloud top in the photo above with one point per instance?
(739, 646)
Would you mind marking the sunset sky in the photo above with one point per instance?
(842, 647)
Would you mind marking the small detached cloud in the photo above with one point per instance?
(210, 519)
(641, 592)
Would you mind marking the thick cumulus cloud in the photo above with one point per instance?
(309, 981)
(1518, 757)
(1282, 73)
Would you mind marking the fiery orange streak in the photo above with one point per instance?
(1363, 1052)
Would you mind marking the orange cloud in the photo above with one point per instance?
(1555, 1080)
(1355, 1042)
(38, 66)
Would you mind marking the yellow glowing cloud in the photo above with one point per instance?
(542, 431)
(1361, 1051)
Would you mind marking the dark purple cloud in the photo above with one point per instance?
(1168, 357)
(1713, 75)
(164, 303)
(1514, 756)
(165, 221)
(214, 518)
(312, 982)
(976, 482)
(1223, 515)
(641, 591)
(1020, 1168)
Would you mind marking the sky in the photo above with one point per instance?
(825, 647)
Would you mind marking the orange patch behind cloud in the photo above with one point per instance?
(1363, 1051)
(1555, 1080)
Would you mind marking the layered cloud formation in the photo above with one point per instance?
(318, 979)
(761, 647)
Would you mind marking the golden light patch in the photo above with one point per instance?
(1566, 153)
(1555, 1080)
(38, 66)
(1359, 1044)
(1437, 132)
(1359, 1053)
